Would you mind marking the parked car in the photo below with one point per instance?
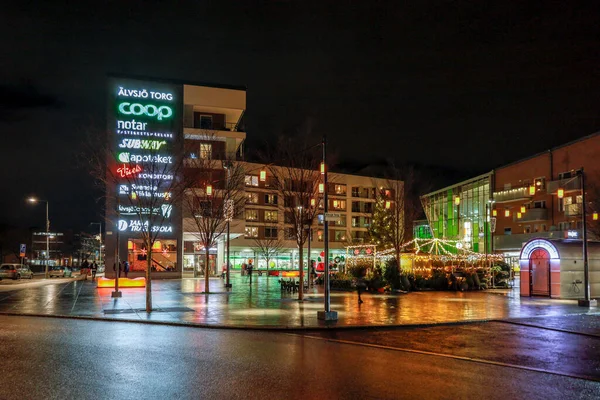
(60, 272)
(15, 271)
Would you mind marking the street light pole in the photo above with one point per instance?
(47, 239)
(587, 301)
(327, 314)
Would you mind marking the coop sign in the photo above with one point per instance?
(149, 110)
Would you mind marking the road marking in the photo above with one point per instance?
(530, 325)
(462, 358)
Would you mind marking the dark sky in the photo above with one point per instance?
(466, 85)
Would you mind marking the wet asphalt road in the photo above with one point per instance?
(49, 358)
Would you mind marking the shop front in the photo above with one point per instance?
(194, 260)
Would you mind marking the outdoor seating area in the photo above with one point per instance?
(291, 285)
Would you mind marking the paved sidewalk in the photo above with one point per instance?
(262, 304)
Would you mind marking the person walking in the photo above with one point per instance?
(360, 286)
(94, 270)
(249, 268)
(84, 268)
(126, 268)
(313, 272)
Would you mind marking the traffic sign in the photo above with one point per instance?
(22, 249)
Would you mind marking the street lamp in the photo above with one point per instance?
(34, 200)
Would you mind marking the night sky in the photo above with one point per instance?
(463, 85)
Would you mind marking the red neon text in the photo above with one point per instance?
(125, 171)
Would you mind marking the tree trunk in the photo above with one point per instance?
(301, 287)
(149, 279)
(206, 270)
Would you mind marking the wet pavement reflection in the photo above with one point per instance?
(263, 304)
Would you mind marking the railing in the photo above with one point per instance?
(512, 195)
(532, 214)
(227, 126)
(568, 185)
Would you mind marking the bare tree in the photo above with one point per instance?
(269, 248)
(298, 181)
(141, 190)
(215, 196)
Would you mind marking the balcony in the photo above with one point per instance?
(515, 242)
(573, 210)
(569, 185)
(533, 214)
(515, 194)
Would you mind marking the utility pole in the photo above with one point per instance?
(327, 314)
(587, 301)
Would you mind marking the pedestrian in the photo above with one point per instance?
(84, 268)
(360, 286)
(126, 268)
(249, 268)
(94, 270)
(313, 271)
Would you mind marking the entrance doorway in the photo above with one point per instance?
(539, 273)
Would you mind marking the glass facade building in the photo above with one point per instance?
(462, 212)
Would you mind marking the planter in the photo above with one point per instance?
(380, 290)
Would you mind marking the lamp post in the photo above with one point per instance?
(36, 200)
(99, 241)
(587, 301)
(327, 314)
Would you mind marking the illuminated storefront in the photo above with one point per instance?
(462, 212)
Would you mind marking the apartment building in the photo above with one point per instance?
(200, 122)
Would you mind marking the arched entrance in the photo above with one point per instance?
(539, 272)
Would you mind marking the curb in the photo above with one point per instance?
(328, 327)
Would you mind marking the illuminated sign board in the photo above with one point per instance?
(145, 122)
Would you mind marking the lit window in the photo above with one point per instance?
(251, 232)
(271, 199)
(252, 198)
(251, 215)
(271, 216)
(205, 151)
(340, 189)
(251, 180)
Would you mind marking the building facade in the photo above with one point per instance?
(539, 197)
(199, 123)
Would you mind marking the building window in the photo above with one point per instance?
(339, 236)
(579, 199)
(355, 206)
(539, 204)
(251, 215)
(527, 229)
(355, 222)
(539, 183)
(565, 175)
(340, 189)
(355, 191)
(252, 198)
(338, 204)
(271, 216)
(367, 222)
(270, 233)
(251, 180)
(205, 151)
(251, 232)
(271, 199)
(288, 201)
(206, 122)
(507, 231)
(368, 207)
